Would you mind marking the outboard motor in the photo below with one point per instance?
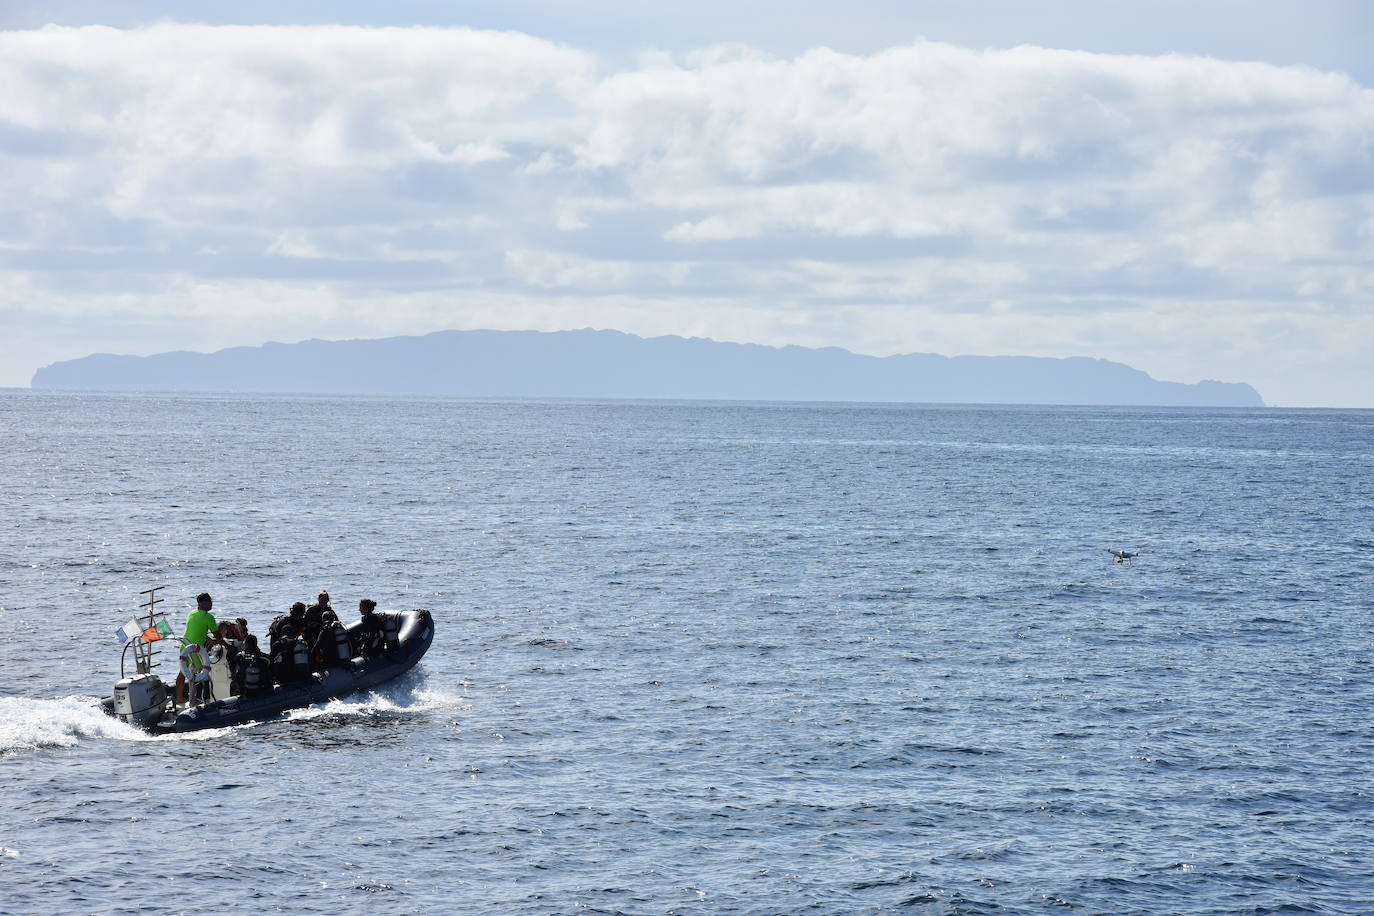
(140, 700)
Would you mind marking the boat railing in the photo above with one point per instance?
(146, 654)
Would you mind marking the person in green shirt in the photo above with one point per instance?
(200, 621)
(200, 624)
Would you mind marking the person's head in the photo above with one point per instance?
(243, 625)
(298, 610)
(329, 617)
(250, 642)
(367, 606)
(204, 601)
(323, 599)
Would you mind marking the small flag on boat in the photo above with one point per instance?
(161, 631)
(128, 631)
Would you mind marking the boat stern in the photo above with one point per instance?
(140, 700)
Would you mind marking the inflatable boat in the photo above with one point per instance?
(142, 699)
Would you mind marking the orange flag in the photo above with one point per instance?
(154, 633)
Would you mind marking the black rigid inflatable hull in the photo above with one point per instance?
(416, 633)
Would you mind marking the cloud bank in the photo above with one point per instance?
(198, 186)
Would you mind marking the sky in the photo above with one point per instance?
(1187, 188)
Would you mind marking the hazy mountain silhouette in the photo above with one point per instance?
(610, 364)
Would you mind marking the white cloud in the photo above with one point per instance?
(213, 185)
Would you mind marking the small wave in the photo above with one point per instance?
(548, 642)
(372, 887)
(897, 879)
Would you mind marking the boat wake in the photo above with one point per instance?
(34, 725)
(31, 725)
(408, 694)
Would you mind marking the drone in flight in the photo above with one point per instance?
(1123, 557)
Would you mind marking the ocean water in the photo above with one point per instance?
(704, 658)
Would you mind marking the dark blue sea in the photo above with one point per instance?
(704, 658)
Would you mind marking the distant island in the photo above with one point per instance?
(611, 364)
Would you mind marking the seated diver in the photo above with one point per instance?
(372, 635)
(290, 661)
(333, 648)
(314, 617)
(287, 626)
(253, 670)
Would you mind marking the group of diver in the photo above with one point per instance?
(302, 642)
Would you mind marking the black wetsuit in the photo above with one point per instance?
(247, 665)
(284, 627)
(286, 667)
(372, 638)
(314, 620)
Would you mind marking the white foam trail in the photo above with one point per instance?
(31, 725)
(27, 725)
(392, 699)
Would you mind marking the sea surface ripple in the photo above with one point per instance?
(704, 658)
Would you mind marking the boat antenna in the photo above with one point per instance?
(143, 651)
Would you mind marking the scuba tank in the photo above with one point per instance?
(300, 658)
(291, 661)
(343, 647)
(253, 675)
